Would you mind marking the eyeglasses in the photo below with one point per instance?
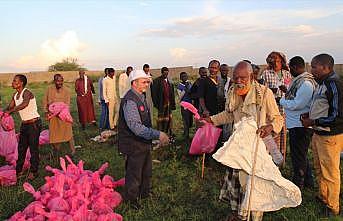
(145, 82)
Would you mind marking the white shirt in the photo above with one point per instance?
(30, 112)
(124, 84)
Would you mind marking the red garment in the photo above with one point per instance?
(166, 90)
(84, 101)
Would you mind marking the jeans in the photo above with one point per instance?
(104, 120)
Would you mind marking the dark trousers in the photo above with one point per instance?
(104, 121)
(29, 137)
(187, 119)
(299, 141)
(138, 175)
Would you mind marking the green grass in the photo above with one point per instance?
(180, 193)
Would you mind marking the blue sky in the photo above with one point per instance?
(35, 34)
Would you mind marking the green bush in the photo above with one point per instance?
(67, 64)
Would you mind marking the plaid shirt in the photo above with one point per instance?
(274, 80)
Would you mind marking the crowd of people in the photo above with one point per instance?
(283, 97)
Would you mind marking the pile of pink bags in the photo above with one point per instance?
(8, 140)
(61, 110)
(9, 149)
(74, 194)
(206, 137)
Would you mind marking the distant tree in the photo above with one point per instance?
(67, 64)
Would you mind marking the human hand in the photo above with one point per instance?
(201, 122)
(164, 139)
(306, 121)
(283, 88)
(46, 115)
(205, 113)
(265, 130)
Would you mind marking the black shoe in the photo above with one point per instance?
(135, 205)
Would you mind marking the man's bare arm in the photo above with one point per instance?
(27, 96)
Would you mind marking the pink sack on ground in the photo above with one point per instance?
(191, 108)
(44, 137)
(7, 176)
(8, 145)
(205, 139)
(7, 122)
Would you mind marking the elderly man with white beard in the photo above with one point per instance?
(246, 98)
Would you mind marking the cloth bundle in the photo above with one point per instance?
(270, 191)
(73, 193)
(104, 136)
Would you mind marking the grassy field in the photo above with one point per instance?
(180, 193)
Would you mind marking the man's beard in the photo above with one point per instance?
(242, 89)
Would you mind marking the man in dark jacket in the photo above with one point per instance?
(135, 135)
(163, 98)
(195, 88)
(326, 119)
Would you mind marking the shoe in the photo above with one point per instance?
(135, 205)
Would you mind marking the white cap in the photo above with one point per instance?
(136, 74)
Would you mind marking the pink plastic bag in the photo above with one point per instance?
(191, 108)
(7, 176)
(7, 122)
(205, 139)
(61, 110)
(8, 145)
(44, 137)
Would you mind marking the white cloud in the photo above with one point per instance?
(239, 23)
(178, 53)
(51, 51)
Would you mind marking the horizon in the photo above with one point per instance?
(164, 33)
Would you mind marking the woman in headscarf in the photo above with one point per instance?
(278, 79)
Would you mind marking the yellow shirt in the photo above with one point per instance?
(109, 89)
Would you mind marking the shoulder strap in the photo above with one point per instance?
(259, 107)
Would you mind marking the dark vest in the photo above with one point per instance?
(128, 142)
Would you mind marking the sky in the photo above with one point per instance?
(36, 34)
